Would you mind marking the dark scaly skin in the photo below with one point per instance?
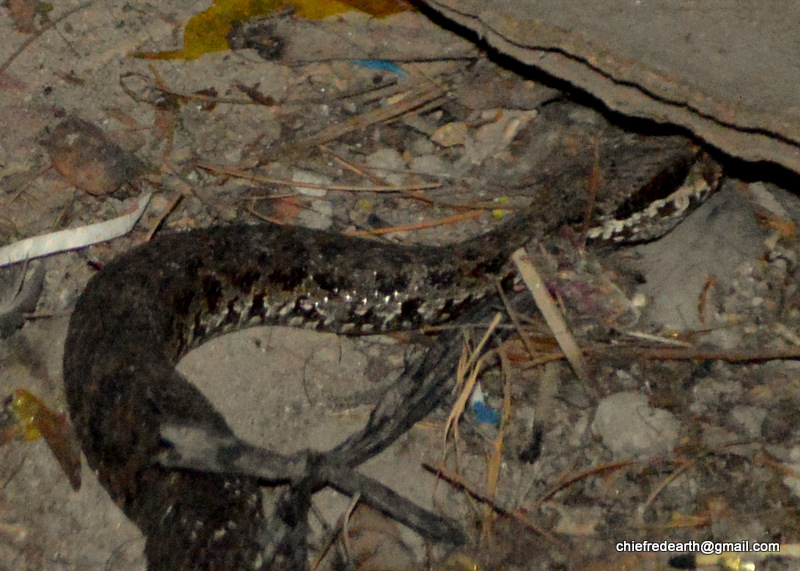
(150, 306)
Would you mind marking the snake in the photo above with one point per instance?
(153, 304)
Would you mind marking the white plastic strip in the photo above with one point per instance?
(73, 238)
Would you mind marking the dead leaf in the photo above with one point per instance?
(35, 420)
(24, 13)
(88, 160)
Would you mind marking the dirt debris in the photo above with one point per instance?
(486, 137)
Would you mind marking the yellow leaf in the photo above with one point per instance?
(207, 32)
(35, 420)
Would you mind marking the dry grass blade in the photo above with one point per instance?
(447, 221)
(472, 365)
(5, 65)
(496, 459)
(572, 479)
(422, 95)
(234, 172)
(459, 484)
(552, 315)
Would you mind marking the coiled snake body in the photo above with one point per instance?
(151, 305)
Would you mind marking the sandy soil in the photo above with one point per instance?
(679, 450)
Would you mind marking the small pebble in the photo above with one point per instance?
(629, 426)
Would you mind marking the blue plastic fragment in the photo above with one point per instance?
(381, 65)
(485, 414)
